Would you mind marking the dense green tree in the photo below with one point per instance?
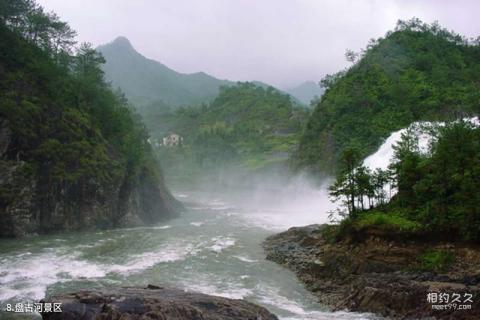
(380, 180)
(448, 188)
(416, 72)
(45, 30)
(346, 187)
(67, 124)
(245, 125)
(406, 167)
(436, 190)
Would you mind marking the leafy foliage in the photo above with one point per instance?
(66, 122)
(245, 124)
(437, 190)
(356, 186)
(436, 260)
(416, 72)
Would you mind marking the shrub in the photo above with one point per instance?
(436, 260)
(390, 221)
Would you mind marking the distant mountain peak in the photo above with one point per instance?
(147, 82)
(122, 42)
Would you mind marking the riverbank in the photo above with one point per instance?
(152, 302)
(384, 276)
(214, 248)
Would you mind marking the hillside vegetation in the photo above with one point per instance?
(245, 125)
(149, 84)
(436, 191)
(73, 152)
(416, 72)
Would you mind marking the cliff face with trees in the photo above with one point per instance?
(73, 154)
(435, 191)
(416, 72)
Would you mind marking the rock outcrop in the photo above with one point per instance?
(31, 203)
(379, 276)
(153, 303)
(74, 155)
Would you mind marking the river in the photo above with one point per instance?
(214, 247)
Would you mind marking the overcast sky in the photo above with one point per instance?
(281, 42)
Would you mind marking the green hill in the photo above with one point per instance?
(245, 125)
(416, 72)
(154, 87)
(147, 82)
(73, 154)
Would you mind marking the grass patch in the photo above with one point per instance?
(259, 162)
(388, 221)
(331, 233)
(436, 260)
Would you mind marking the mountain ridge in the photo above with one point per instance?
(149, 83)
(146, 81)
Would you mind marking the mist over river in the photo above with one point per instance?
(214, 247)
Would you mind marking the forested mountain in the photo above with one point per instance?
(416, 72)
(245, 124)
(306, 91)
(150, 84)
(73, 154)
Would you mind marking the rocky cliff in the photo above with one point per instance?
(380, 275)
(32, 203)
(153, 303)
(73, 153)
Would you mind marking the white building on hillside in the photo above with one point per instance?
(172, 139)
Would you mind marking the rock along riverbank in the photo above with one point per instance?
(379, 275)
(153, 303)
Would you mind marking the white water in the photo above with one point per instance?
(384, 155)
(214, 248)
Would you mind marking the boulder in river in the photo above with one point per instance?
(152, 303)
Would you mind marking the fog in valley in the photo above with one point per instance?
(210, 159)
(275, 199)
